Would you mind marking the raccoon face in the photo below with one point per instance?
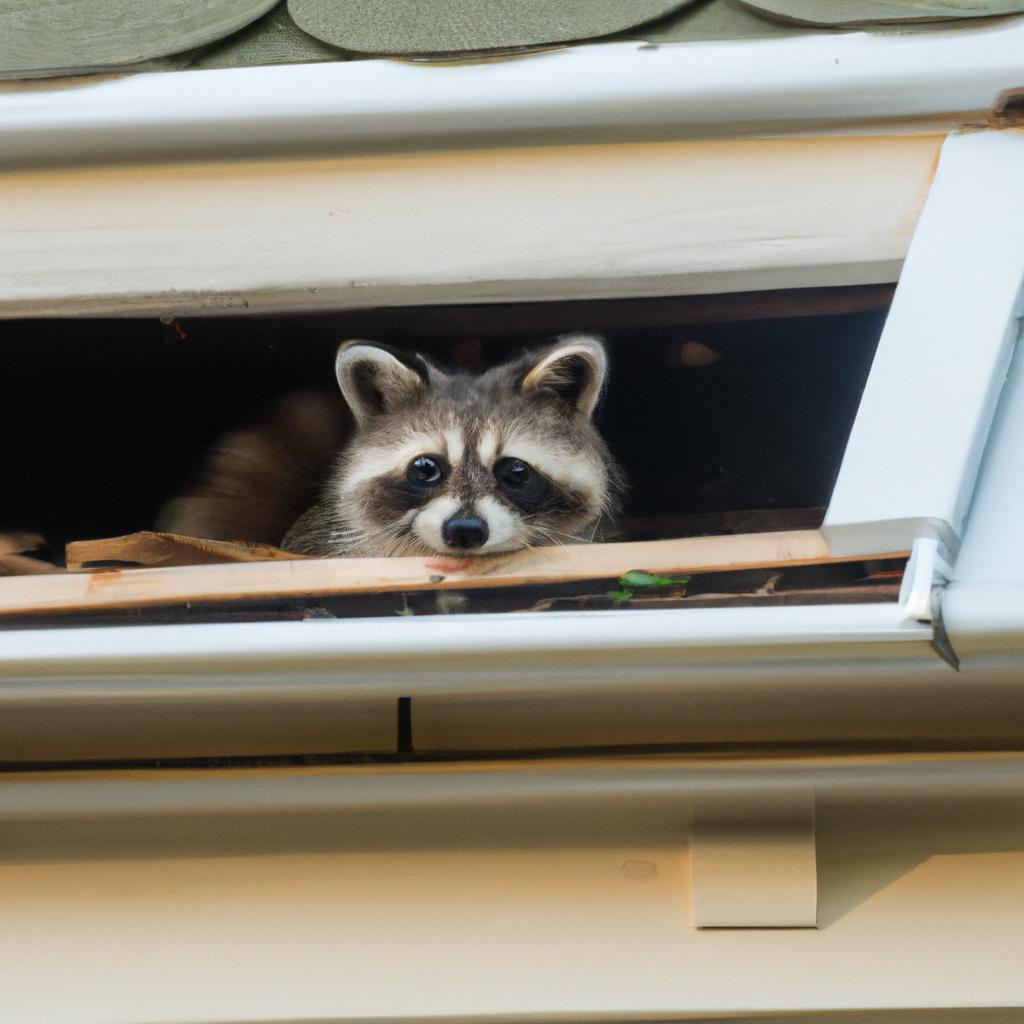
(456, 464)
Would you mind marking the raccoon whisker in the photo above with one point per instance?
(353, 534)
(544, 533)
(423, 442)
(388, 538)
(548, 531)
(400, 544)
(551, 531)
(389, 544)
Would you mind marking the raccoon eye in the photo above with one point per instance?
(513, 473)
(425, 471)
(526, 488)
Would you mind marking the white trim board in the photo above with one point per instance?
(814, 82)
(923, 421)
(462, 226)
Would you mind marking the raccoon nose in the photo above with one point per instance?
(465, 532)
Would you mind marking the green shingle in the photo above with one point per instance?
(273, 39)
(865, 12)
(70, 35)
(452, 26)
(715, 19)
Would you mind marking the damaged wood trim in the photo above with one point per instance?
(1009, 109)
(245, 581)
(154, 549)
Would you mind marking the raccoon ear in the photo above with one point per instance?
(376, 379)
(574, 370)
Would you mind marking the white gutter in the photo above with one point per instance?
(475, 683)
(753, 86)
(446, 642)
(985, 621)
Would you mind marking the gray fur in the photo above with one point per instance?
(535, 408)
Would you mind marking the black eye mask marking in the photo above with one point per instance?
(523, 485)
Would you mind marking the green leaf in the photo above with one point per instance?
(638, 579)
(620, 596)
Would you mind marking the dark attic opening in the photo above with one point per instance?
(729, 413)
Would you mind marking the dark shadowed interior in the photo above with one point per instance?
(716, 404)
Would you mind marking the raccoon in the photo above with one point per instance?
(431, 462)
(459, 464)
(260, 476)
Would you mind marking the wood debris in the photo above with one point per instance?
(16, 559)
(164, 550)
(266, 577)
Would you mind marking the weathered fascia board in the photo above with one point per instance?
(508, 891)
(913, 455)
(481, 682)
(482, 225)
(815, 82)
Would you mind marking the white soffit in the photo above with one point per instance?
(561, 175)
(609, 220)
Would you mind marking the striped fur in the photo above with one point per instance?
(534, 412)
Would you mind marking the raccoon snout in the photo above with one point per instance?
(465, 532)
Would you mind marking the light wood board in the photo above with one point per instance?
(213, 583)
(153, 549)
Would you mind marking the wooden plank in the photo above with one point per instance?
(211, 583)
(162, 550)
(818, 583)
